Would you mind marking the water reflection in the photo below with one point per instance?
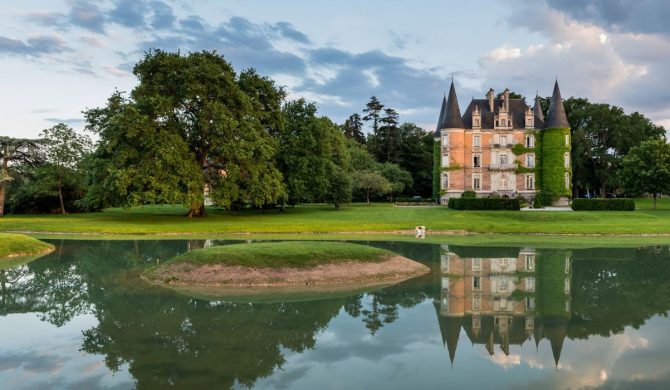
(503, 296)
(499, 299)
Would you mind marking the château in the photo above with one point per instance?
(503, 147)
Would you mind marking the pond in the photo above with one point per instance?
(485, 317)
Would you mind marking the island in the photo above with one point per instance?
(289, 265)
(20, 245)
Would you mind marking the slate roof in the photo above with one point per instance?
(539, 116)
(452, 116)
(556, 117)
(517, 109)
(441, 117)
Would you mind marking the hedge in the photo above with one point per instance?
(603, 205)
(484, 204)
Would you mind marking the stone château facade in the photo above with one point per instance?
(502, 146)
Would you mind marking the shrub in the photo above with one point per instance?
(603, 204)
(542, 199)
(483, 204)
(468, 195)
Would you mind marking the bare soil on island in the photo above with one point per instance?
(342, 274)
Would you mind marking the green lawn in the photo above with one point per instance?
(297, 254)
(378, 218)
(20, 245)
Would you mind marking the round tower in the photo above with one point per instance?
(556, 148)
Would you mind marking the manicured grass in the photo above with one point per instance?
(378, 218)
(21, 245)
(295, 254)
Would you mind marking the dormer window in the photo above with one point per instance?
(476, 122)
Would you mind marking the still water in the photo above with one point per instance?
(485, 317)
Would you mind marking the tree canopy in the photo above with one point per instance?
(190, 128)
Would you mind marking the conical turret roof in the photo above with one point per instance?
(537, 111)
(452, 116)
(441, 117)
(556, 117)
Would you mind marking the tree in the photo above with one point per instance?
(64, 151)
(371, 183)
(398, 178)
(646, 168)
(601, 136)
(415, 155)
(353, 128)
(16, 154)
(189, 127)
(372, 112)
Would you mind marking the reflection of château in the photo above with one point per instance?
(506, 299)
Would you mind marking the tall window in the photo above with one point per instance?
(476, 283)
(445, 181)
(477, 264)
(445, 140)
(476, 182)
(476, 141)
(476, 302)
(530, 160)
(476, 122)
(530, 284)
(530, 182)
(445, 160)
(567, 140)
(503, 183)
(476, 160)
(530, 141)
(503, 140)
(566, 159)
(530, 262)
(503, 159)
(567, 181)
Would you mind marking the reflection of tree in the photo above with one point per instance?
(170, 340)
(613, 289)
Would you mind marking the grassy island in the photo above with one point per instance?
(14, 245)
(282, 264)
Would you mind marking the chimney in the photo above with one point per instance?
(491, 95)
(506, 99)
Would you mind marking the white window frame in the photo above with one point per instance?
(476, 286)
(445, 179)
(530, 262)
(502, 157)
(567, 181)
(477, 155)
(530, 160)
(445, 160)
(530, 182)
(530, 141)
(445, 140)
(476, 179)
(477, 264)
(566, 159)
(476, 140)
(476, 303)
(567, 140)
(529, 284)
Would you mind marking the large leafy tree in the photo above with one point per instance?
(415, 155)
(370, 183)
(313, 156)
(190, 127)
(16, 156)
(646, 168)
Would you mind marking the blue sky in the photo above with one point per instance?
(58, 58)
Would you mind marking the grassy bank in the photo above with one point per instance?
(294, 254)
(13, 245)
(378, 218)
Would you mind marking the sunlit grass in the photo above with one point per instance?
(357, 218)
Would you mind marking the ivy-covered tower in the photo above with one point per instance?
(556, 167)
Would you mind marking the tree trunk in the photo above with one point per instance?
(196, 211)
(603, 190)
(654, 201)
(2, 198)
(60, 197)
(3, 183)
(367, 196)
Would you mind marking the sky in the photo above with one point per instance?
(61, 57)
